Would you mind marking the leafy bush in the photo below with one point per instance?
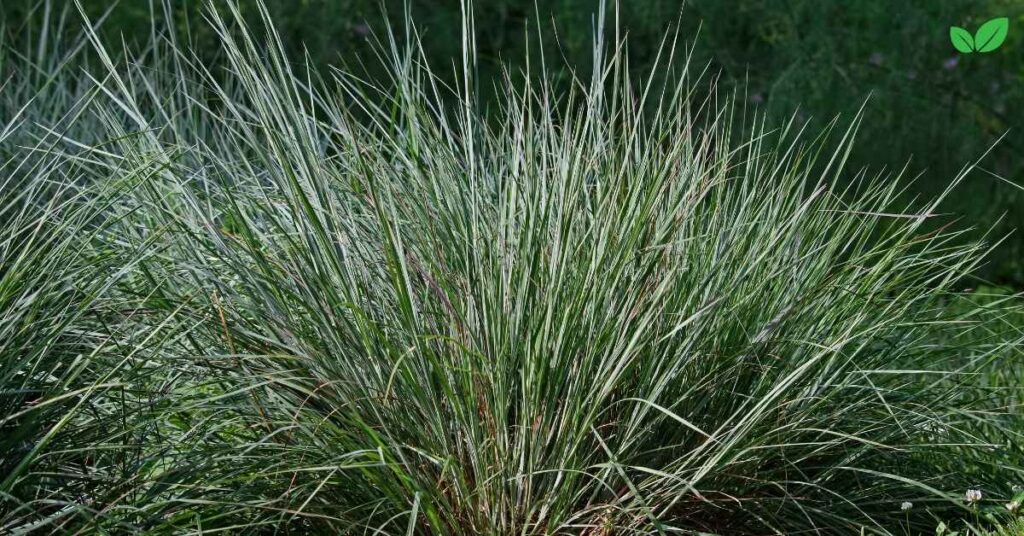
(306, 302)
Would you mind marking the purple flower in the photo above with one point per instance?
(362, 29)
(757, 98)
(951, 63)
(876, 59)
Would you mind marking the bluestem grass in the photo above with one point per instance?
(335, 306)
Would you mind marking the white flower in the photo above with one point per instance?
(907, 505)
(1016, 488)
(1013, 506)
(973, 496)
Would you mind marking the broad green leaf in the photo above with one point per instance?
(991, 34)
(961, 39)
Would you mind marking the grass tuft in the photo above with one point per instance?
(264, 298)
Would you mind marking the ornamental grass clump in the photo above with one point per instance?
(616, 307)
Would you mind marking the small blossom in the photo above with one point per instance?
(876, 59)
(1016, 488)
(757, 98)
(973, 495)
(1013, 506)
(907, 505)
(951, 63)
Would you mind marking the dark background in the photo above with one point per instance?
(929, 105)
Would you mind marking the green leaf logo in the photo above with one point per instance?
(962, 39)
(991, 34)
(988, 38)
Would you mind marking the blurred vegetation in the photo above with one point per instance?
(814, 58)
